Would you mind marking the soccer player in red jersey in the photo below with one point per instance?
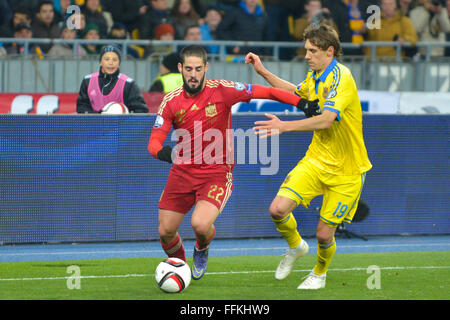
(201, 174)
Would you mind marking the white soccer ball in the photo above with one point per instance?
(114, 108)
(173, 275)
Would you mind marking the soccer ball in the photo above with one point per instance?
(173, 275)
(114, 108)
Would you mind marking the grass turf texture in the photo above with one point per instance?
(404, 275)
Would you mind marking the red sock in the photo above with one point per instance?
(202, 244)
(175, 249)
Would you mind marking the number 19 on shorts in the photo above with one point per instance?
(340, 210)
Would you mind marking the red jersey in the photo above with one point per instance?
(202, 124)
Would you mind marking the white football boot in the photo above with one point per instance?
(286, 265)
(313, 282)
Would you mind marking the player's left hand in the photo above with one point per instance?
(270, 127)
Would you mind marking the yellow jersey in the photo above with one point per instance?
(340, 149)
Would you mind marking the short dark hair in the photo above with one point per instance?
(193, 50)
(42, 3)
(23, 10)
(323, 36)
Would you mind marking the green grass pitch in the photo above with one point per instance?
(402, 275)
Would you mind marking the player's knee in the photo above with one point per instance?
(277, 212)
(166, 233)
(324, 237)
(201, 228)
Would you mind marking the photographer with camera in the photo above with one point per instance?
(431, 21)
(315, 13)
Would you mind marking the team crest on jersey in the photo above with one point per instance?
(330, 95)
(211, 110)
(179, 116)
(239, 86)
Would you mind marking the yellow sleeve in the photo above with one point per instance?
(409, 32)
(303, 88)
(341, 95)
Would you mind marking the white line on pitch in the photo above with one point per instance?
(214, 249)
(134, 275)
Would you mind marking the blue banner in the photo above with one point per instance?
(72, 178)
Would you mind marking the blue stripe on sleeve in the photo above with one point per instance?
(334, 110)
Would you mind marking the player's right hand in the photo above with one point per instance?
(310, 108)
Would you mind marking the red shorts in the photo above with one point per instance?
(183, 189)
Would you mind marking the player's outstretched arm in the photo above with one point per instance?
(274, 80)
(275, 126)
(310, 108)
(156, 148)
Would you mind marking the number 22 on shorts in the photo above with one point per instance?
(215, 192)
(340, 210)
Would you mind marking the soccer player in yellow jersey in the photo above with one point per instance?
(336, 162)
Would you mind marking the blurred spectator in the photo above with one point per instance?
(23, 31)
(20, 15)
(431, 21)
(192, 33)
(127, 12)
(296, 8)
(5, 12)
(95, 15)
(314, 13)
(208, 30)
(278, 14)
(183, 15)
(226, 6)
(91, 32)
(60, 8)
(394, 27)
(155, 15)
(350, 17)
(119, 31)
(164, 32)
(405, 6)
(77, 20)
(31, 5)
(247, 22)
(169, 77)
(44, 25)
(66, 50)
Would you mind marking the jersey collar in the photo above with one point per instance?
(325, 73)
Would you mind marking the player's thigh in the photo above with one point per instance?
(215, 188)
(169, 222)
(302, 184)
(341, 198)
